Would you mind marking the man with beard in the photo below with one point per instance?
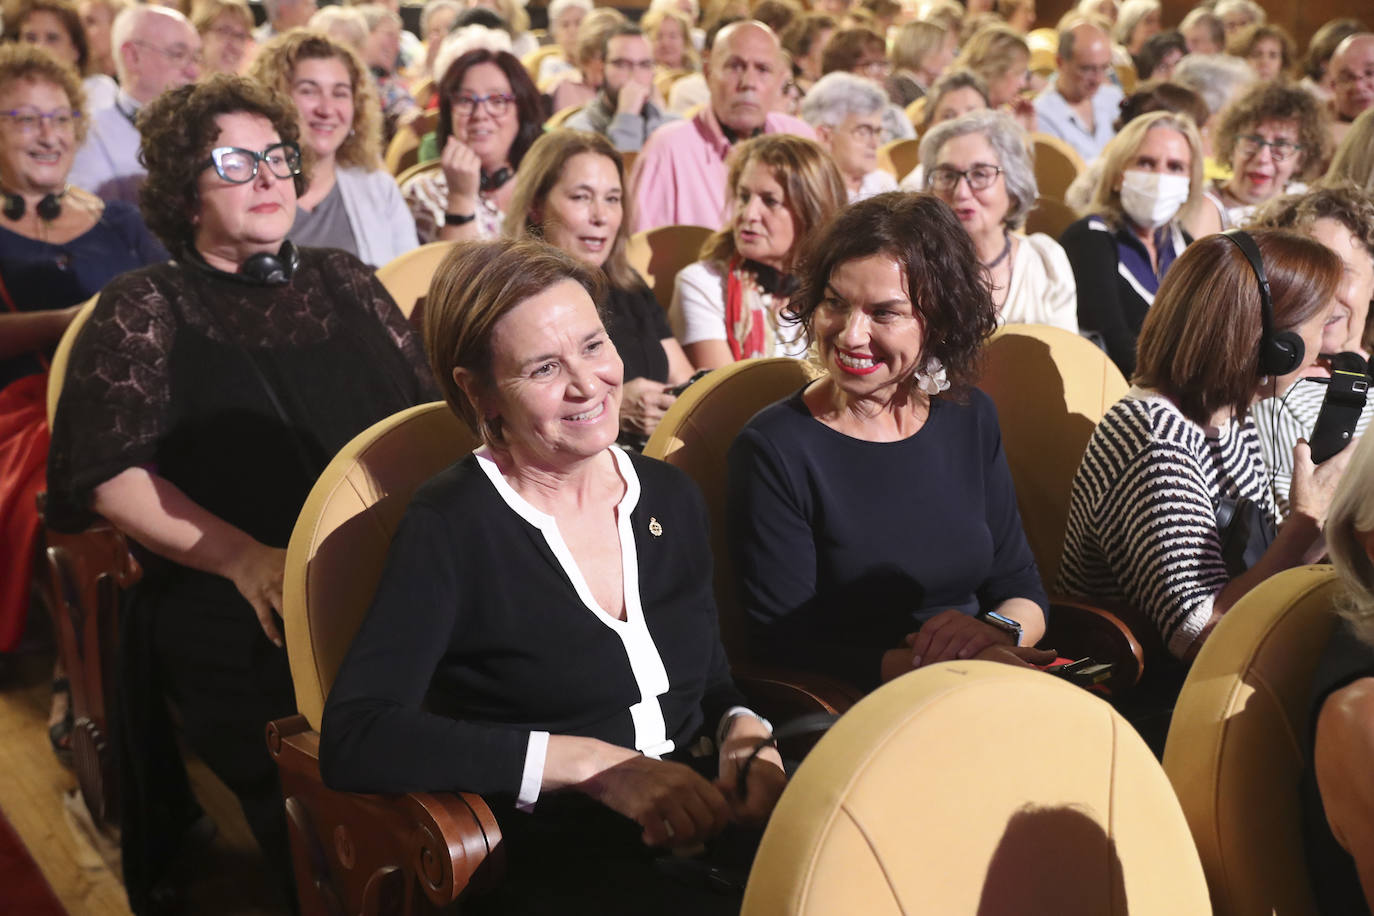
(623, 111)
(680, 176)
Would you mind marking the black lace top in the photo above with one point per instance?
(178, 368)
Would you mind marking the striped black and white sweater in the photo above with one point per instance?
(1142, 525)
(1281, 421)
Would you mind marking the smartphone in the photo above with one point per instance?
(1341, 409)
(1085, 672)
(677, 390)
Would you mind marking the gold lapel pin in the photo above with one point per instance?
(655, 528)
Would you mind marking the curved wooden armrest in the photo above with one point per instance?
(360, 853)
(1081, 628)
(785, 693)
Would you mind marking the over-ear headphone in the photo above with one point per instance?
(496, 179)
(48, 209)
(1279, 353)
(261, 269)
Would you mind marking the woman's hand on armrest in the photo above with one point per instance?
(673, 804)
(752, 803)
(154, 512)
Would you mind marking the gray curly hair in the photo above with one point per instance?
(837, 95)
(1007, 140)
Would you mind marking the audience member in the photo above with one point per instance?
(565, 19)
(437, 19)
(731, 305)
(570, 194)
(489, 114)
(59, 245)
(1137, 21)
(1354, 159)
(56, 26)
(624, 109)
(670, 33)
(1219, 79)
(1269, 49)
(381, 52)
(776, 14)
(172, 427)
(226, 34)
(1081, 105)
(1336, 812)
(352, 203)
(1019, 14)
(343, 24)
(1317, 75)
(1272, 135)
(1151, 180)
(1180, 447)
(576, 88)
(1001, 58)
(980, 166)
(805, 41)
(97, 17)
(680, 175)
(955, 94)
(847, 113)
(1203, 32)
(1159, 55)
(863, 52)
(512, 12)
(690, 93)
(1238, 15)
(921, 52)
(157, 49)
(872, 519)
(1352, 81)
(282, 16)
(1341, 217)
(1107, 10)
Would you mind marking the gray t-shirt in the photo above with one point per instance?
(326, 226)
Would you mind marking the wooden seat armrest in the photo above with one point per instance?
(785, 693)
(1081, 628)
(377, 849)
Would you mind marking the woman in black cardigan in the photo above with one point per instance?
(1151, 180)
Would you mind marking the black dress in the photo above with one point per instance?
(637, 325)
(172, 373)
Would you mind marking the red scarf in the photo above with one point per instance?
(744, 330)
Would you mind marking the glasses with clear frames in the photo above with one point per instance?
(240, 166)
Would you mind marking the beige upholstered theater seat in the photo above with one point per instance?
(407, 276)
(1236, 745)
(695, 435)
(1051, 217)
(1051, 388)
(340, 541)
(978, 788)
(57, 372)
(899, 157)
(1056, 165)
(658, 255)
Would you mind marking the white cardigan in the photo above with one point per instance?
(381, 221)
(1042, 285)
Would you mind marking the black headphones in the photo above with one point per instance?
(49, 208)
(1281, 353)
(496, 179)
(261, 269)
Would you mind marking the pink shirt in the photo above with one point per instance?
(679, 177)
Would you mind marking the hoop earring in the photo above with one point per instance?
(931, 379)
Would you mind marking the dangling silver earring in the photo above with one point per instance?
(931, 379)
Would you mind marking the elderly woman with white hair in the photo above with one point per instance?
(1136, 21)
(1338, 812)
(847, 112)
(979, 165)
(565, 18)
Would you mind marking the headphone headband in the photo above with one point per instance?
(1279, 353)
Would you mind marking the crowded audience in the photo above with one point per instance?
(230, 192)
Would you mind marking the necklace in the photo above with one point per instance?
(1006, 250)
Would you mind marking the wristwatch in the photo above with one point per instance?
(1004, 623)
(458, 219)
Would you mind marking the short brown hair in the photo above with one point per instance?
(206, 12)
(847, 47)
(28, 62)
(992, 52)
(529, 106)
(179, 130)
(1244, 43)
(1277, 102)
(1324, 43)
(946, 281)
(807, 174)
(1200, 342)
(275, 67)
(476, 285)
(540, 171)
(1161, 95)
(802, 32)
(64, 10)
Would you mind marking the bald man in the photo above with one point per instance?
(155, 49)
(1352, 81)
(679, 176)
(1081, 104)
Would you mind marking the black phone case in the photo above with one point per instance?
(1341, 409)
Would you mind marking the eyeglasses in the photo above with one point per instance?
(643, 66)
(178, 55)
(1251, 144)
(866, 132)
(240, 166)
(228, 33)
(496, 104)
(30, 120)
(944, 178)
(874, 68)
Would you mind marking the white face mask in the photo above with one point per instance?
(1151, 199)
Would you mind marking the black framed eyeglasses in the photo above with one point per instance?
(1251, 144)
(237, 165)
(945, 178)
